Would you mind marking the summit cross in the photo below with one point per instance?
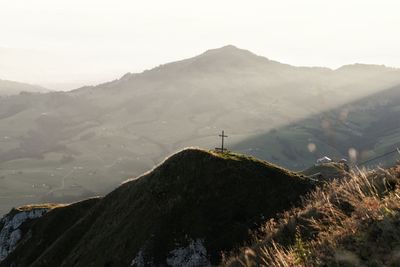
(221, 149)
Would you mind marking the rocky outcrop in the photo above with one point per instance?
(10, 232)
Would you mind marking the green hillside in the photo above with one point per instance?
(191, 208)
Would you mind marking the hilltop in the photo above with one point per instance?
(190, 209)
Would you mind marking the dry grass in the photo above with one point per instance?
(49, 206)
(351, 222)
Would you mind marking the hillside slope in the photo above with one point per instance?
(369, 125)
(63, 146)
(188, 210)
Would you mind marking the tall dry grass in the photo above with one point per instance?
(354, 221)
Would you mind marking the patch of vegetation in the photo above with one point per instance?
(300, 250)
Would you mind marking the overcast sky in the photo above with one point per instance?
(69, 43)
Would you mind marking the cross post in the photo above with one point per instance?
(221, 149)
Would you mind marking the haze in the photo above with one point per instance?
(66, 44)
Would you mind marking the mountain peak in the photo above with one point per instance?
(228, 47)
(228, 50)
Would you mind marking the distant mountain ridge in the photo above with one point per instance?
(8, 88)
(230, 55)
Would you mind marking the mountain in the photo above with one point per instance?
(368, 126)
(65, 146)
(188, 210)
(8, 88)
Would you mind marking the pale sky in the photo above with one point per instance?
(68, 43)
